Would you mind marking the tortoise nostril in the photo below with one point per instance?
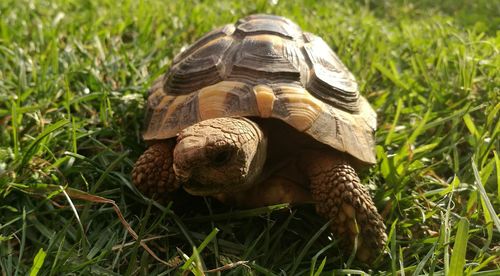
(221, 157)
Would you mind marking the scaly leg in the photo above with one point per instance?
(340, 197)
(153, 173)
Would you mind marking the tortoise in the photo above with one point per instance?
(259, 113)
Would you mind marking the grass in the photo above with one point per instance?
(73, 76)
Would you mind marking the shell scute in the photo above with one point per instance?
(329, 78)
(225, 30)
(262, 57)
(269, 25)
(203, 67)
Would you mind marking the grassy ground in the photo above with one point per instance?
(73, 76)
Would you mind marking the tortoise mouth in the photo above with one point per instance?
(196, 188)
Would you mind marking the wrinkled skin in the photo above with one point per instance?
(230, 159)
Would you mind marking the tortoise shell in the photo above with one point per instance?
(264, 66)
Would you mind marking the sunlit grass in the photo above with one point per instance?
(73, 79)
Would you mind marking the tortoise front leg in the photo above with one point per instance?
(153, 174)
(340, 197)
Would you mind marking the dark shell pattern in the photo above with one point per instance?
(264, 66)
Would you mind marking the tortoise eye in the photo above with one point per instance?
(222, 157)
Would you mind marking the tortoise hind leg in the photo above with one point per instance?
(153, 174)
(340, 197)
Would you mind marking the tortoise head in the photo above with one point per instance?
(219, 155)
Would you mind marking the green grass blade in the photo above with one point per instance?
(446, 232)
(399, 106)
(497, 166)
(38, 262)
(424, 260)
(391, 75)
(470, 125)
(349, 272)
(31, 150)
(393, 246)
(23, 241)
(459, 248)
(307, 246)
(240, 213)
(314, 260)
(492, 215)
(200, 248)
(487, 273)
(320, 268)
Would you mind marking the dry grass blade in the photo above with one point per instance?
(77, 194)
(122, 246)
(228, 267)
(73, 208)
(97, 199)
